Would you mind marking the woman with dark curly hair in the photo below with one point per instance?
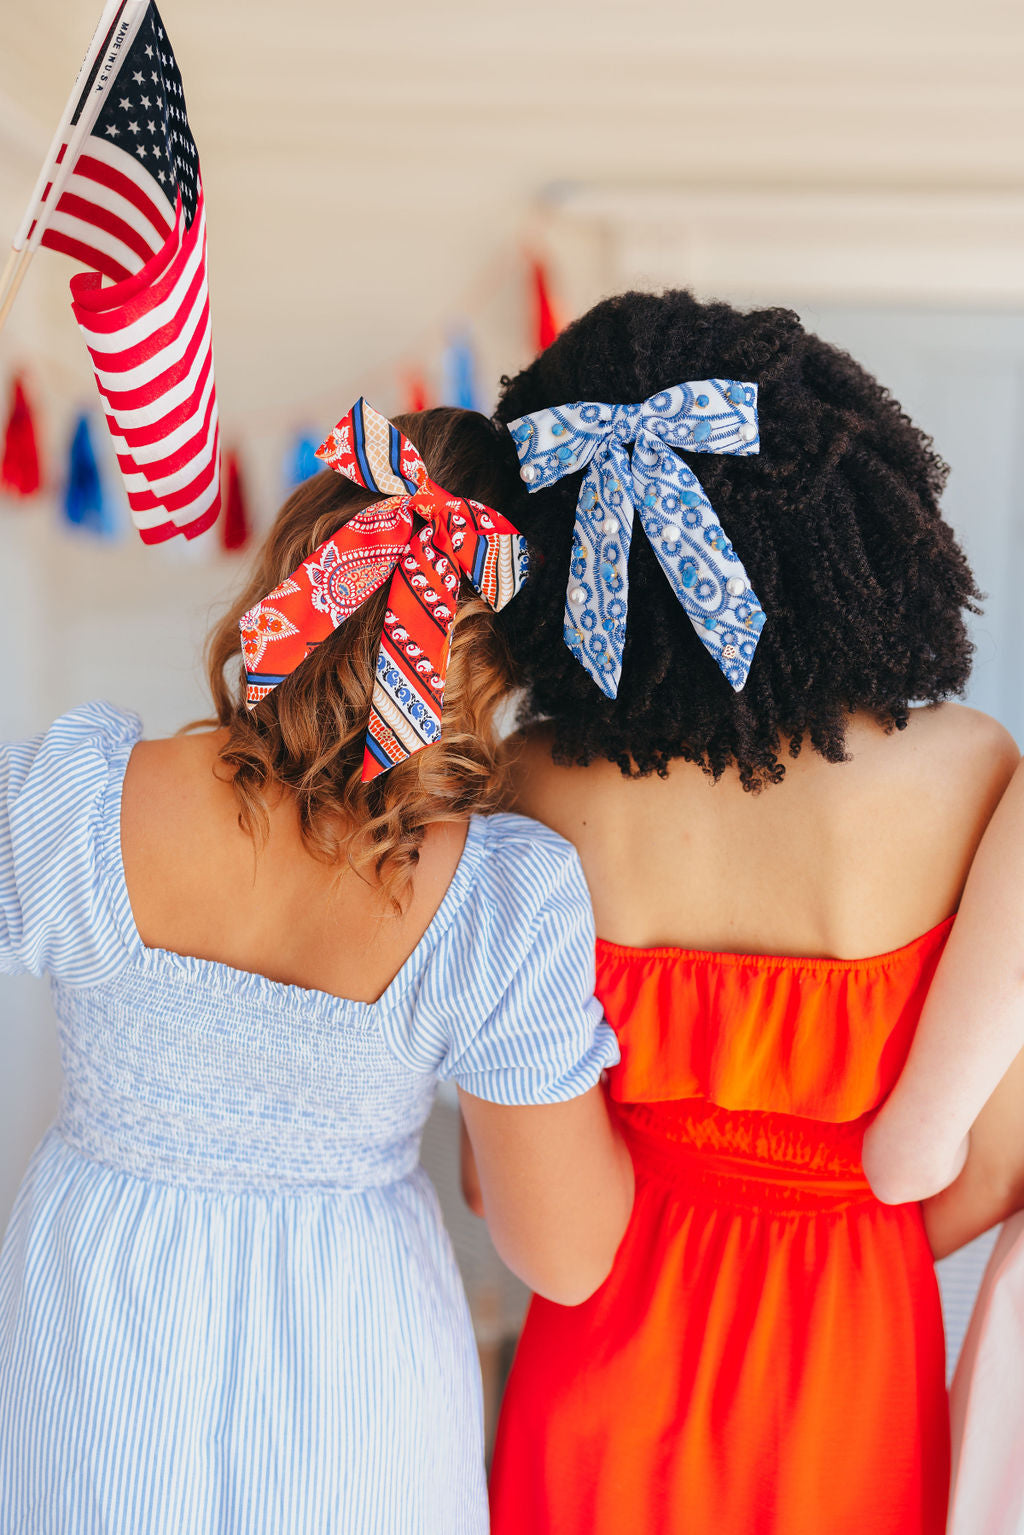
(734, 705)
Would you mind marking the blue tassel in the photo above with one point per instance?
(303, 463)
(460, 373)
(86, 505)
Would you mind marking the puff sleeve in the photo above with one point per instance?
(506, 1007)
(60, 908)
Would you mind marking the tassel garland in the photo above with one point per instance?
(460, 374)
(234, 522)
(546, 324)
(416, 394)
(19, 468)
(85, 501)
(304, 462)
(85, 498)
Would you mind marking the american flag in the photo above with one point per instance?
(131, 208)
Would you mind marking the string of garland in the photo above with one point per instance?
(87, 503)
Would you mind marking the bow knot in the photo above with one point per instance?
(705, 416)
(626, 422)
(424, 564)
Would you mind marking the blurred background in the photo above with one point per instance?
(403, 201)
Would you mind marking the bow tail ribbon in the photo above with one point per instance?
(462, 538)
(597, 596)
(484, 545)
(287, 625)
(701, 565)
(366, 448)
(412, 662)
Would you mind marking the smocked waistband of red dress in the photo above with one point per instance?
(739, 1176)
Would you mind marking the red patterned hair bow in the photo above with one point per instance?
(424, 563)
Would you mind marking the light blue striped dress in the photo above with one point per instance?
(227, 1301)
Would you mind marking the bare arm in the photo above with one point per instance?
(991, 1185)
(557, 1188)
(469, 1176)
(971, 1029)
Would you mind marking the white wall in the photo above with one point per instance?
(960, 375)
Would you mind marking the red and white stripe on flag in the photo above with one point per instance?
(108, 217)
(149, 337)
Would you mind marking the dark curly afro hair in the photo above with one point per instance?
(836, 521)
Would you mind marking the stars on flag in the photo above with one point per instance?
(151, 119)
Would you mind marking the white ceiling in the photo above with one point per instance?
(372, 171)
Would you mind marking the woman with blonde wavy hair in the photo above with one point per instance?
(227, 1301)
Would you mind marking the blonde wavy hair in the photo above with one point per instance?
(307, 735)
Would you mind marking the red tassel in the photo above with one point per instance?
(416, 396)
(19, 471)
(546, 322)
(234, 524)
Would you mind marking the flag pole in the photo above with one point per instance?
(19, 266)
(11, 263)
(104, 27)
(82, 113)
(114, 33)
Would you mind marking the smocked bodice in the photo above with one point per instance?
(190, 1073)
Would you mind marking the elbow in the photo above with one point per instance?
(896, 1188)
(569, 1272)
(472, 1194)
(570, 1284)
(904, 1181)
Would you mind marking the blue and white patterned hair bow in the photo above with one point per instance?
(713, 415)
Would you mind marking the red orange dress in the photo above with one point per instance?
(767, 1355)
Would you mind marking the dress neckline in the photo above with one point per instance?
(255, 980)
(725, 957)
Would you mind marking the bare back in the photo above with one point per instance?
(197, 887)
(847, 860)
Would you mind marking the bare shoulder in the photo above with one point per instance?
(949, 767)
(531, 767)
(956, 740)
(168, 784)
(183, 764)
(558, 794)
(970, 727)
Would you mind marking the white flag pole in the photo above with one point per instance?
(85, 112)
(104, 27)
(17, 266)
(9, 265)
